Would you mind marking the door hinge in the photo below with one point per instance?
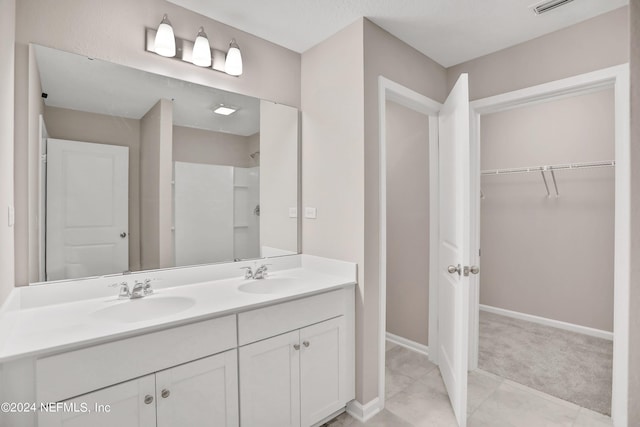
(43, 158)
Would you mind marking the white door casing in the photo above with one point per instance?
(87, 209)
(616, 77)
(454, 245)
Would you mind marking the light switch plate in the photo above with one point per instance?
(310, 213)
(293, 212)
(11, 216)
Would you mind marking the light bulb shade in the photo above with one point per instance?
(233, 63)
(201, 50)
(165, 40)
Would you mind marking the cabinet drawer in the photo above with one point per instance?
(71, 374)
(277, 319)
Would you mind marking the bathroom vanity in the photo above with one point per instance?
(225, 351)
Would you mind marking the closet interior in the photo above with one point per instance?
(547, 244)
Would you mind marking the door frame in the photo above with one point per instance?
(616, 77)
(389, 90)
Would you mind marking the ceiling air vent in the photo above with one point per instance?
(546, 6)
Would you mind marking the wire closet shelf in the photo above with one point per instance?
(548, 168)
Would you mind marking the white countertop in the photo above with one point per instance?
(48, 329)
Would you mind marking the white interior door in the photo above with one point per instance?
(454, 249)
(87, 209)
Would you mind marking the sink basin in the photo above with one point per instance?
(137, 310)
(270, 285)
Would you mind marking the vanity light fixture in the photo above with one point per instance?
(201, 50)
(233, 63)
(225, 110)
(165, 41)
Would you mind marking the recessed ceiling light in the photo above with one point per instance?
(225, 110)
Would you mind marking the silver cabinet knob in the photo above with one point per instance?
(296, 346)
(165, 393)
(305, 343)
(454, 269)
(148, 399)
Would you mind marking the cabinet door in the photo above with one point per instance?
(129, 404)
(270, 382)
(200, 393)
(322, 370)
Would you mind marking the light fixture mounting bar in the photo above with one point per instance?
(184, 51)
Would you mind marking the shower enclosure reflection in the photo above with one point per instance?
(140, 173)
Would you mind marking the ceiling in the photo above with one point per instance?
(447, 31)
(79, 83)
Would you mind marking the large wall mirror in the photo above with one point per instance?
(137, 171)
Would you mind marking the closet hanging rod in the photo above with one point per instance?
(608, 163)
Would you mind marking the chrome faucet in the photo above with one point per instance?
(260, 273)
(140, 289)
(124, 290)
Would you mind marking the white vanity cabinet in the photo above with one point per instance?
(187, 375)
(130, 404)
(199, 393)
(300, 377)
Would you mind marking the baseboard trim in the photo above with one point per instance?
(411, 345)
(363, 413)
(598, 333)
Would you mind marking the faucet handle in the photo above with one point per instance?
(248, 273)
(124, 289)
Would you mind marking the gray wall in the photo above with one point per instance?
(156, 191)
(87, 28)
(279, 134)
(7, 38)
(333, 169)
(340, 160)
(597, 43)
(634, 354)
(550, 257)
(407, 223)
(75, 125)
(382, 55)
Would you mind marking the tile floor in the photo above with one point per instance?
(416, 396)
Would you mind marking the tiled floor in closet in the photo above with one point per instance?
(416, 396)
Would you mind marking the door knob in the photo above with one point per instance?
(123, 234)
(454, 269)
(474, 269)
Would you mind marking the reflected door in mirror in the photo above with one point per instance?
(87, 209)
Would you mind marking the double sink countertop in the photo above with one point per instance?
(30, 330)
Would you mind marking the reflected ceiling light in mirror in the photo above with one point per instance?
(165, 41)
(225, 110)
(201, 50)
(233, 63)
